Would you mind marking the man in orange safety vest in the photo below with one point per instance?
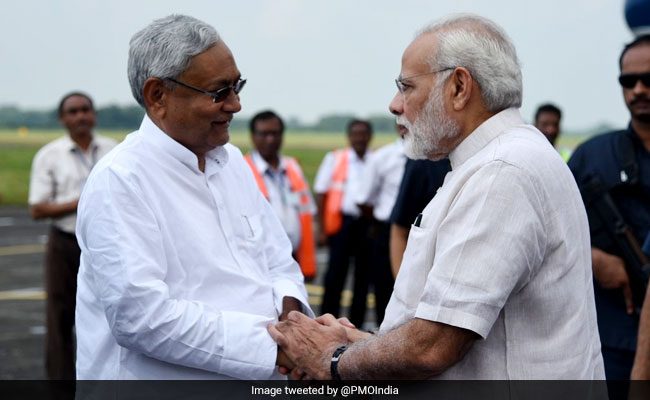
(341, 224)
(283, 183)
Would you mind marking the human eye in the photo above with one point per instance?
(406, 86)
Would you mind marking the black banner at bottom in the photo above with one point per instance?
(272, 390)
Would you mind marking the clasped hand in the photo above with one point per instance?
(305, 346)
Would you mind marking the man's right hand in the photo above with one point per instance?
(610, 273)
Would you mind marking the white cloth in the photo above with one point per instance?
(325, 172)
(503, 250)
(59, 172)
(383, 174)
(181, 271)
(284, 201)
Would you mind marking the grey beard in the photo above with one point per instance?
(431, 128)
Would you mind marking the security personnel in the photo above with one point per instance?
(621, 161)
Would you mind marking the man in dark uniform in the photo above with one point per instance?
(609, 157)
(421, 181)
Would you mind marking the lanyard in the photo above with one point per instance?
(84, 161)
(279, 180)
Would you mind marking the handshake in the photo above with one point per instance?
(306, 346)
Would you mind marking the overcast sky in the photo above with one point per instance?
(309, 58)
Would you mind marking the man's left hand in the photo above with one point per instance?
(309, 344)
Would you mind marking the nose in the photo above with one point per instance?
(639, 87)
(396, 106)
(231, 103)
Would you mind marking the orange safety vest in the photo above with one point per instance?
(333, 215)
(306, 253)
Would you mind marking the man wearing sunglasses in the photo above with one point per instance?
(183, 261)
(620, 161)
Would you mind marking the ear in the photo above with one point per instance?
(462, 87)
(154, 94)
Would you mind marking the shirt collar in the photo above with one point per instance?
(214, 159)
(262, 166)
(73, 146)
(484, 134)
(355, 158)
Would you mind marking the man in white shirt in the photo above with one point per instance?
(495, 282)
(59, 172)
(183, 261)
(341, 224)
(282, 182)
(376, 196)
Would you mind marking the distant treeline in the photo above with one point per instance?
(129, 117)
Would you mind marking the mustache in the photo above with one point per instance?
(401, 120)
(640, 99)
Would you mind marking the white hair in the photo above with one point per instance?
(164, 49)
(481, 46)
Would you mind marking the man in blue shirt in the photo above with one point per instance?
(613, 157)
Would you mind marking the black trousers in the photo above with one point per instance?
(381, 275)
(351, 242)
(61, 267)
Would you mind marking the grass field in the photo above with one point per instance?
(17, 149)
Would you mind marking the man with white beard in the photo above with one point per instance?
(496, 281)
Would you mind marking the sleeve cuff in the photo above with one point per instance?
(454, 317)
(284, 287)
(249, 350)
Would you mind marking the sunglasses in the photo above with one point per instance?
(629, 81)
(217, 95)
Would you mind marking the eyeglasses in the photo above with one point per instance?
(401, 86)
(217, 95)
(629, 81)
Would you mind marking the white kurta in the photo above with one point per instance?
(181, 271)
(503, 250)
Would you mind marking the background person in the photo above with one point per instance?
(547, 120)
(421, 181)
(59, 172)
(341, 224)
(376, 197)
(282, 182)
(620, 161)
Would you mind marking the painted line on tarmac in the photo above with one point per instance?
(22, 294)
(316, 290)
(7, 221)
(22, 249)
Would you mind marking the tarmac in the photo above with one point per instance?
(22, 296)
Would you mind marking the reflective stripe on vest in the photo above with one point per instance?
(306, 252)
(333, 215)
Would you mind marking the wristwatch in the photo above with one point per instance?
(334, 366)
